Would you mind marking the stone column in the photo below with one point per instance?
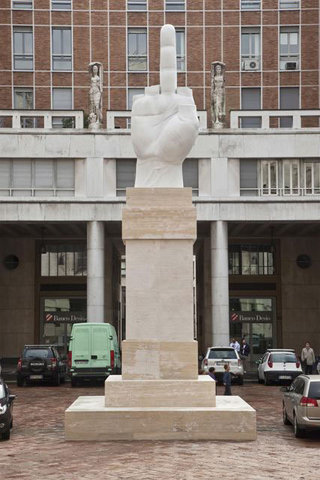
(95, 274)
(220, 283)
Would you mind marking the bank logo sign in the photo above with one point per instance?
(65, 317)
(251, 317)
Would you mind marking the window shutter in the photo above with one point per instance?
(43, 175)
(125, 173)
(4, 175)
(248, 177)
(190, 174)
(65, 174)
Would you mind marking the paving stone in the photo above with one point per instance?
(37, 448)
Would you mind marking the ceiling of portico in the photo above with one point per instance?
(273, 230)
(52, 231)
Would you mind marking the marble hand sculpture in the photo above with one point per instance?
(164, 123)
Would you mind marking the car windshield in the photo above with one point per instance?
(2, 392)
(38, 352)
(314, 390)
(222, 353)
(284, 357)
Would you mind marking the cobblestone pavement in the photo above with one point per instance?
(37, 449)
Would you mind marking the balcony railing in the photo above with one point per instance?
(120, 120)
(267, 117)
(41, 119)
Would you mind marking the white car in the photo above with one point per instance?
(217, 357)
(278, 365)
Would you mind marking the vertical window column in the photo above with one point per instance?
(22, 48)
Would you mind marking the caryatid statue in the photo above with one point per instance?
(164, 123)
(95, 94)
(218, 95)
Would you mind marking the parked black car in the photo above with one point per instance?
(6, 407)
(41, 362)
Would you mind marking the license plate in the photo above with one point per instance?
(36, 377)
(284, 377)
(81, 361)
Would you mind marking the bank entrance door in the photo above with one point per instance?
(57, 315)
(254, 320)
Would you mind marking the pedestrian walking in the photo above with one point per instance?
(234, 344)
(308, 359)
(244, 354)
(211, 373)
(227, 379)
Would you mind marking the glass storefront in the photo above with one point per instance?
(253, 318)
(57, 317)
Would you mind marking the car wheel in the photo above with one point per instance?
(63, 380)
(240, 380)
(266, 381)
(259, 379)
(57, 380)
(6, 435)
(285, 418)
(74, 382)
(11, 425)
(298, 432)
(20, 382)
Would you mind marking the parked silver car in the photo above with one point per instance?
(217, 357)
(301, 404)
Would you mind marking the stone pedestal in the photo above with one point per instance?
(159, 395)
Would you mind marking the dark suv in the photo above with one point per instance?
(41, 362)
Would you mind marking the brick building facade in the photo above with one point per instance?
(268, 46)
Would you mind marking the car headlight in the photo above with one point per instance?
(3, 409)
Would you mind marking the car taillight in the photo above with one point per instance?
(297, 364)
(53, 362)
(205, 362)
(239, 363)
(112, 358)
(19, 366)
(308, 402)
(70, 359)
(270, 362)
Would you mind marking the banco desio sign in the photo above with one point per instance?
(64, 317)
(251, 317)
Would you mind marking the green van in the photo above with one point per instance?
(93, 352)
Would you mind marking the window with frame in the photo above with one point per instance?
(64, 260)
(250, 4)
(251, 259)
(23, 100)
(250, 48)
(175, 5)
(61, 100)
(37, 178)
(22, 48)
(137, 5)
(137, 49)
(251, 100)
(181, 49)
(289, 100)
(61, 4)
(61, 49)
(289, 4)
(269, 177)
(132, 92)
(312, 177)
(290, 177)
(22, 4)
(289, 48)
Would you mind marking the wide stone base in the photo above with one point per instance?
(87, 419)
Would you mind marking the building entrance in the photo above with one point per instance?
(57, 315)
(254, 320)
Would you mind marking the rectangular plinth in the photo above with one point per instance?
(151, 360)
(159, 213)
(87, 419)
(160, 393)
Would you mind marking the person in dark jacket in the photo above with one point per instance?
(227, 379)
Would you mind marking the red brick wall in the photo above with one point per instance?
(211, 35)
